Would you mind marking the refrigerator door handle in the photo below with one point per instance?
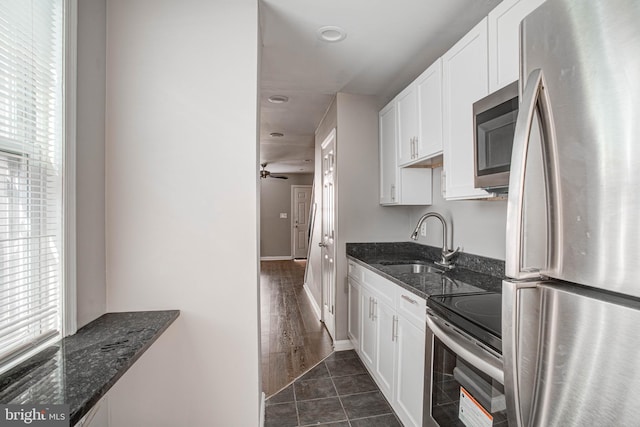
(520, 315)
(515, 204)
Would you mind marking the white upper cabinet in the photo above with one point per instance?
(388, 165)
(504, 40)
(407, 107)
(399, 186)
(429, 96)
(419, 108)
(465, 80)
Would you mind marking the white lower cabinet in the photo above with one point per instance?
(409, 389)
(354, 312)
(385, 351)
(369, 329)
(391, 340)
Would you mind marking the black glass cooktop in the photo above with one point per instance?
(478, 314)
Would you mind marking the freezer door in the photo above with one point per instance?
(520, 343)
(584, 370)
(580, 61)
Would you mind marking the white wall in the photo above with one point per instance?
(275, 198)
(477, 226)
(182, 203)
(360, 218)
(90, 181)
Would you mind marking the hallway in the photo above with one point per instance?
(293, 339)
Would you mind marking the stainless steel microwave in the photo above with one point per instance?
(494, 123)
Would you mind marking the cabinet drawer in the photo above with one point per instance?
(384, 289)
(411, 307)
(355, 271)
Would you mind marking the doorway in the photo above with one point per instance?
(301, 199)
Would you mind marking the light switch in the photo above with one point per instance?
(283, 215)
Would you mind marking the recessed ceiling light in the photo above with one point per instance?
(331, 34)
(278, 99)
(276, 134)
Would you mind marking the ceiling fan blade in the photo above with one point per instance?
(279, 177)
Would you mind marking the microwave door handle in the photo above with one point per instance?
(515, 203)
(467, 350)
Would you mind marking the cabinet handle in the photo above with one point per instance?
(370, 307)
(394, 328)
(411, 300)
(393, 192)
(375, 309)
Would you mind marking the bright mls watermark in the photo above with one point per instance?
(34, 415)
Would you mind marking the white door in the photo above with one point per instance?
(328, 232)
(300, 204)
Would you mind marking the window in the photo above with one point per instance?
(32, 165)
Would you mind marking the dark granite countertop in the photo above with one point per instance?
(81, 368)
(472, 273)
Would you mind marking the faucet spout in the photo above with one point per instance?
(448, 256)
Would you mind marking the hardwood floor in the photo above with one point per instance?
(293, 339)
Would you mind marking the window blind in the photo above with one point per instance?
(31, 162)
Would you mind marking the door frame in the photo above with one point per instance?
(308, 218)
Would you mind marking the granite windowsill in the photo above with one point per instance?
(81, 368)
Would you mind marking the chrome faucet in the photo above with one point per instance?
(448, 256)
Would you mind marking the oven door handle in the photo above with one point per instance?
(469, 351)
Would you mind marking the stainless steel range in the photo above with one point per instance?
(463, 372)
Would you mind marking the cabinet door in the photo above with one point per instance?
(465, 81)
(385, 355)
(407, 112)
(429, 94)
(409, 387)
(504, 36)
(388, 163)
(369, 332)
(354, 313)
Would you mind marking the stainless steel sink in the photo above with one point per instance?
(415, 268)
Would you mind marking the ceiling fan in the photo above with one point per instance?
(266, 174)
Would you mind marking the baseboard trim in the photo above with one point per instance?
(314, 304)
(262, 408)
(276, 258)
(342, 345)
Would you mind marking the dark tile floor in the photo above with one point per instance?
(338, 392)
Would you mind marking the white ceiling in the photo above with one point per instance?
(388, 44)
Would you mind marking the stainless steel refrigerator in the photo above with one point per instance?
(571, 305)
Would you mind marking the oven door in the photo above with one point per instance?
(463, 379)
